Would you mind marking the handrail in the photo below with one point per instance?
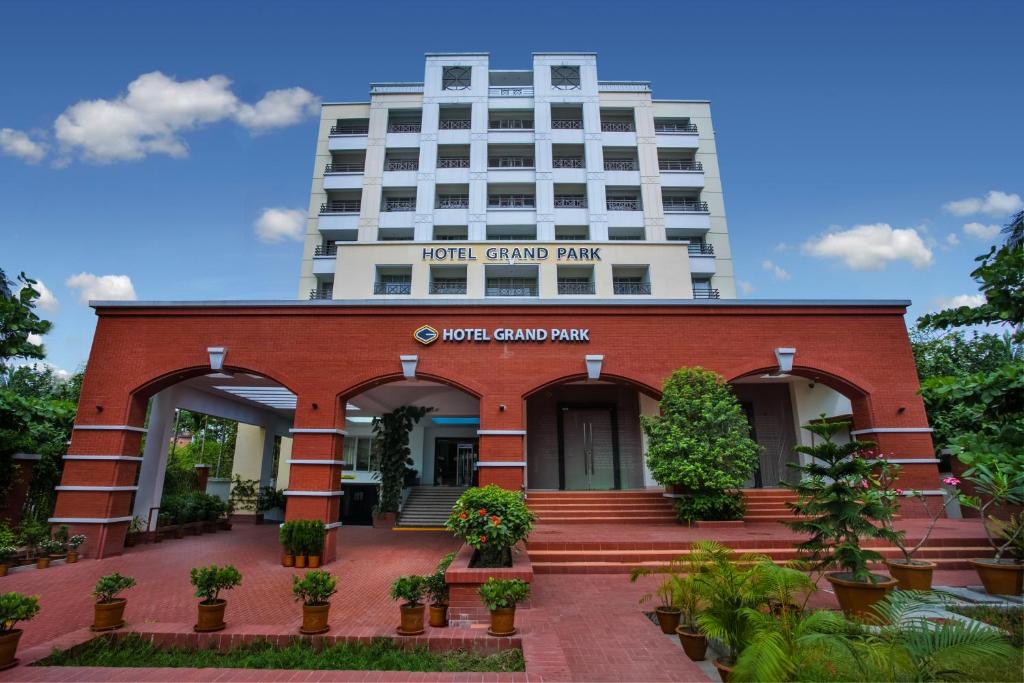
(679, 165)
(401, 164)
(326, 250)
(350, 129)
(705, 294)
(510, 162)
(623, 204)
(522, 201)
(570, 287)
(392, 287)
(698, 249)
(452, 201)
(631, 287)
(510, 124)
(451, 287)
(455, 124)
(347, 167)
(566, 124)
(675, 127)
(340, 206)
(568, 162)
(400, 204)
(685, 206)
(404, 127)
(321, 293)
(573, 201)
(453, 162)
(510, 287)
(510, 90)
(620, 165)
(618, 126)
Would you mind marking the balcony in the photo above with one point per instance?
(575, 287)
(324, 263)
(399, 204)
(346, 167)
(510, 91)
(618, 127)
(698, 249)
(510, 287)
(343, 175)
(684, 206)
(401, 165)
(570, 201)
(568, 162)
(621, 165)
(325, 292)
(705, 293)
(681, 173)
(702, 259)
(567, 124)
(628, 288)
(676, 134)
(511, 201)
(510, 124)
(623, 204)
(453, 162)
(448, 287)
(510, 162)
(455, 124)
(452, 201)
(350, 129)
(673, 127)
(680, 165)
(326, 250)
(404, 127)
(386, 288)
(340, 206)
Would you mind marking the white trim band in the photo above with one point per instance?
(127, 458)
(125, 428)
(308, 461)
(892, 430)
(88, 520)
(321, 494)
(312, 430)
(501, 432)
(925, 492)
(332, 525)
(502, 463)
(908, 461)
(26, 456)
(96, 488)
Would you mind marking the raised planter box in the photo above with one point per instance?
(463, 582)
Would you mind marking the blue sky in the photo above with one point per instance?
(828, 116)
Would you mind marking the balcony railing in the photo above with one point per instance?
(347, 167)
(453, 201)
(451, 237)
(570, 201)
(572, 287)
(627, 288)
(392, 287)
(684, 206)
(620, 165)
(675, 127)
(350, 129)
(680, 165)
(400, 204)
(510, 287)
(453, 162)
(326, 250)
(511, 201)
(321, 293)
(618, 126)
(455, 124)
(448, 287)
(411, 127)
(510, 162)
(510, 91)
(568, 162)
(698, 249)
(340, 206)
(623, 204)
(401, 165)
(510, 124)
(566, 124)
(705, 294)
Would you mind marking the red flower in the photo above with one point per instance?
(483, 539)
(482, 512)
(463, 516)
(495, 520)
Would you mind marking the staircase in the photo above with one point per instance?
(768, 505)
(601, 507)
(429, 506)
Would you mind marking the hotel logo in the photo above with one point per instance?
(425, 335)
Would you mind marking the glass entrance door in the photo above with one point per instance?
(588, 449)
(455, 461)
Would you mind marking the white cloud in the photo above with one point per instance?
(102, 287)
(952, 240)
(777, 271)
(277, 225)
(782, 246)
(871, 247)
(972, 300)
(46, 301)
(745, 287)
(981, 231)
(150, 117)
(994, 203)
(36, 339)
(18, 144)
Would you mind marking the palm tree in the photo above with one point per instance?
(1014, 230)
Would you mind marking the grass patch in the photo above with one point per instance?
(1010, 619)
(380, 655)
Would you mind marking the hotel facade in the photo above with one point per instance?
(529, 253)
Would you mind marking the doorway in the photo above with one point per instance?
(455, 461)
(588, 448)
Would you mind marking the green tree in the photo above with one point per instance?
(391, 439)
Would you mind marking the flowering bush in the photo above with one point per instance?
(492, 520)
(76, 541)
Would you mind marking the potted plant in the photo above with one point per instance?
(315, 590)
(14, 607)
(209, 582)
(7, 553)
(501, 597)
(108, 612)
(999, 484)
(316, 534)
(695, 643)
(912, 574)
(492, 520)
(135, 528)
(286, 536)
(74, 543)
(840, 502)
(667, 593)
(49, 548)
(410, 588)
(437, 592)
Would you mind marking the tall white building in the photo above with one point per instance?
(542, 183)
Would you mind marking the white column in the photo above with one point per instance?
(267, 463)
(154, 457)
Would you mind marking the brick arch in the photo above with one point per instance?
(851, 389)
(169, 379)
(368, 383)
(639, 385)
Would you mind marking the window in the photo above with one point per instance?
(455, 78)
(565, 77)
(360, 453)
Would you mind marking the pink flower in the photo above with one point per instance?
(899, 492)
(951, 481)
(864, 484)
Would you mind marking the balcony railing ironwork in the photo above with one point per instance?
(453, 201)
(698, 249)
(623, 204)
(400, 204)
(680, 165)
(620, 287)
(510, 124)
(705, 293)
(455, 124)
(401, 164)
(510, 91)
(675, 127)
(340, 206)
(570, 201)
(392, 287)
(350, 129)
(510, 287)
(345, 167)
(453, 162)
(575, 287)
(326, 250)
(411, 127)
(620, 165)
(511, 201)
(618, 126)
(451, 237)
(448, 287)
(321, 293)
(566, 124)
(684, 206)
(510, 162)
(568, 162)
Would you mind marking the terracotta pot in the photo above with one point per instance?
(313, 562)
(287, 560)
(856, 597)
(57, 556)
(42, 562)
(211, 616)
(108, 615)
(724, 670)
(8, 646)
(72, 557)
(503, 621)
(668, 619)
(694, 643)
(412, 620)
(438, 616)
(916, 576)
(314, 619)
(3, 570)
(300, 561)
(1000, 578)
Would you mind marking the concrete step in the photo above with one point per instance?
(625, 568)
(664, 556)
(429, 506)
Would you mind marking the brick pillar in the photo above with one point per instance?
(314, 474)
(21, 480)
(502, 451)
